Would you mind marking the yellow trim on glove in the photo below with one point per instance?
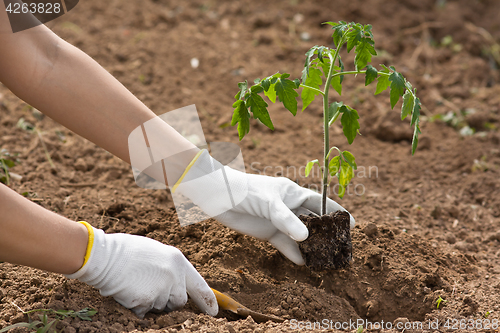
(190, 165)
(90, 242)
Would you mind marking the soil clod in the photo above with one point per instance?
(329, 243)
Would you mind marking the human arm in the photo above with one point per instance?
(34, 236)
(140, 273)
(74, 90)
(70, 87)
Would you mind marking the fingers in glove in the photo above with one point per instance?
(313, 203)
(162, 300)
(141, 310)
(200, 292)
(302, 211)
(286, 221)
(288, 247)
(178, 297)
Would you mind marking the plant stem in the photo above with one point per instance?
(407, 84)
(315, 89)
(352, 72)
(6, 171)
(326, 132)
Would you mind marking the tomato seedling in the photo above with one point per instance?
(324, 69)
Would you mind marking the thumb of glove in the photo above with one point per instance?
(287, 222)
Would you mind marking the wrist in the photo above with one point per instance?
(81, 248)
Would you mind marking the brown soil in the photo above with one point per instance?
(328, 245)
(427, 225)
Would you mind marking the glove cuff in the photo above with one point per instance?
(95, 236)
(90, 243)
(190, 165)
(211, 186)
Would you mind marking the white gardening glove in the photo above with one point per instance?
(142, 274)
(255, 205)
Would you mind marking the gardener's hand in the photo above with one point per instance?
(261, 206)
(143, 274)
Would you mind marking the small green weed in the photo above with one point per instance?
(24, 125)
(439, 301)
(46, 324)
(7, 161)
(456, 120)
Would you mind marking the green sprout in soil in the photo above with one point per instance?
(439, 301)
(456, 120)
(44, 325)
(324, 69)
(24, 125)
(7, 161)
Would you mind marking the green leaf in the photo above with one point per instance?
(408, 104)
(349, 121)
(309, 55)
(397, 87)
(339, 29)
(271, 93)
(313, 80)
(285, 89)
(8, 328)
(64, 313)
(8, 162)
(349, 158)
(320, 51)
(346, 173)
(86, 314)
(364, 52)
(257, 89)
(243, 88)
(258, 107)
(24, 125)
(415, 120)
(335, 82)
(382, 81)
(326, 67)
(368, 30)
(414, 142)
(415, 117)
(371, 74)
(334, 166)
(333, 112)
(268, 84)
(309, 166)
(47, 327)
(341, 69)
(353, 37)
(241, 117)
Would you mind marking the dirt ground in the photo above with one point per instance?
(427, 225)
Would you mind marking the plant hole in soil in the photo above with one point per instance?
(329, 243)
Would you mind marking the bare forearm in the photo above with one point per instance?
(81, 95)
(70, 87)
(78, 93)
(34, 236)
